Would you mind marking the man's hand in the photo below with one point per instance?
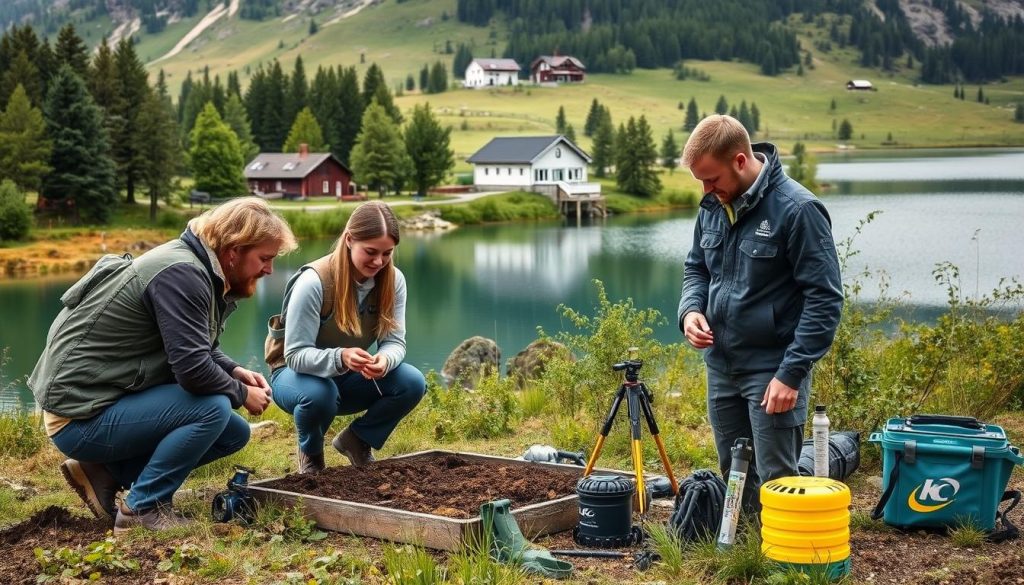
(376, 367)
(697, 331)
(250, 378)
(779, 398)
(257, 400)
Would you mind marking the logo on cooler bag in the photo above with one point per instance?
(933, 491)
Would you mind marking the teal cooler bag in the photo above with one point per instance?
(943, 471)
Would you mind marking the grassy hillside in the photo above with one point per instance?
(403, 37)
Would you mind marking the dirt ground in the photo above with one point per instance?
(915, 558)
(75, 254)
(445, 485)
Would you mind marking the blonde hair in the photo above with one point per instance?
(370, 220)
(241, 223)
(718, 135)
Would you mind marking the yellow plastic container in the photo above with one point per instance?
(805, 524)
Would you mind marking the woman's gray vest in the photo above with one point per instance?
(329, 335)
(105, 343)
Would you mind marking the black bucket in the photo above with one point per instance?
(605, 511)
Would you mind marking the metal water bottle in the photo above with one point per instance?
(741, 453)
(820, 437)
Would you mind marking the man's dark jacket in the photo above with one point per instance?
(769, 285)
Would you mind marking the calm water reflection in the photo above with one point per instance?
(504, 281)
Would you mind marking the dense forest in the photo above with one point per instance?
(619, 35)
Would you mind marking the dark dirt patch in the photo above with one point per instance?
(55, 528)
(445, 485)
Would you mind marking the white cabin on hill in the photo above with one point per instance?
(491, 72)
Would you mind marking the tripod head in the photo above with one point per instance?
(631, 365)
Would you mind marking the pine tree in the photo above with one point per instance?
(463, 57)
(560, 121)
(803, 168)
(669, 152)
(438, 78)
(306, 130)
(845, 130)
(83, 172)
(24, 73)
(313, 28)
(590, 125)
(379, 157)
(237, 119)
(832, 105)
(352, 108)
(636, 158)
(159, 152)
(428, 145)
(410, 82)
(722, 106)
(570, 133)
(692, 116)
(981, 96)
(745, 118)
(215, 156)
(604, 145)
(298, 90)
(71, 50)
(425, 78)
(103, 79)
(234, 86)
(755, 117)
(24, 147)
(373, 79)
(133, 90)
(384, 98)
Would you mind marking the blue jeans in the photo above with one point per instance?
(153, 439)
(315, 401)
(734, 411)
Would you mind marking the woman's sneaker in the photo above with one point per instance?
(161, 517)
(94, 484)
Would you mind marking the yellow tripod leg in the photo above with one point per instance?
(594, 455)
(664, 461)
(638, 469)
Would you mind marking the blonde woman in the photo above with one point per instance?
(334, 310)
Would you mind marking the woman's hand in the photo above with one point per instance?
(375, 368)
(356, 358)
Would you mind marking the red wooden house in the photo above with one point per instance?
(302, 174)
(557, 69)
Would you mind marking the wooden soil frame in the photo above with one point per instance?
(429, 530)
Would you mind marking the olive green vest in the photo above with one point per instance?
(329, 335)
(105, 343)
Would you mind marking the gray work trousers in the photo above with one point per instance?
(734, 410)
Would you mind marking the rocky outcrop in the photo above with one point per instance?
(426, 222)
(530, 363)
(473, 359)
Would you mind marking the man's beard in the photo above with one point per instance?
(243, 288)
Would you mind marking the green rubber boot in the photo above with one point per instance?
(508, 545)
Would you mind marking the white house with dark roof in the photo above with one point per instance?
(491, 72)
(552, 165)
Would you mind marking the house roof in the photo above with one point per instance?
(557, 61)
(286, 165)
(859, 83)
(520, 149)
(497, 64)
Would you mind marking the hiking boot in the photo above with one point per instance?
(161, 517)
(94, 484)
(351, 446)
(311, 463)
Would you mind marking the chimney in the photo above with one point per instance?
(303, 150)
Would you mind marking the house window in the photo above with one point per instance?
(487, 171)
(327, 187)
(277, 185)
(520, 171)
(510, 171)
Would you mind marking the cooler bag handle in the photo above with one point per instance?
(967, 422)
(894, 475)
(1009, 531)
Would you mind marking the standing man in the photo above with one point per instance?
(761, 293)
(132, 383)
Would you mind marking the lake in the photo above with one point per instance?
(503, 281)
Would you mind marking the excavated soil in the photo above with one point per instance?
(442, 484)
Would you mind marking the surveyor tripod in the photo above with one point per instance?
(638, 400)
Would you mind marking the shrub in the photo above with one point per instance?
(15, 216)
